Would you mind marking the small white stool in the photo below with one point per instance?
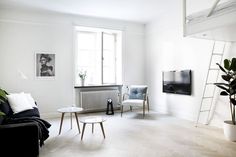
(70, 110)
(92, 120)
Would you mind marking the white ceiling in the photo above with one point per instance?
(131, 10)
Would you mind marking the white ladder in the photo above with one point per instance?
(207, 83)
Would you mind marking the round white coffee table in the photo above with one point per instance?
(70, 110)
(92, 120)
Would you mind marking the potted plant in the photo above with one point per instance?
(82, 75)
(3, 98)
(229, 89)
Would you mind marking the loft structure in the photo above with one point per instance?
(216, 23)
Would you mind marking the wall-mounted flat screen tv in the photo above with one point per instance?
(178, 82)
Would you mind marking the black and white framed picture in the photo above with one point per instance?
(45, 65)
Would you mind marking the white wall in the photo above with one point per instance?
(167, 49)
(22, 33)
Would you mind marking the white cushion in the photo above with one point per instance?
(30, 99)
(18, 102)
(133, 102)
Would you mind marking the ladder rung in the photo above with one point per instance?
(219, 54)
(207, 97)
(204, 110)
(214, 69)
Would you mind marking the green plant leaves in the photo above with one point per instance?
(222, 87)
(227, 64)
(3, 96)
(229, 88)
(224, 93)
(232, 92)
(221, 68)
(226, 77)
(223, 84)
(233, 64)
(2, 114)
(233, 101)
(233, 84)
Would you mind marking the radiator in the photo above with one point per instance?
(97, 100)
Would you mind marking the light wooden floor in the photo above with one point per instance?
(131, 136)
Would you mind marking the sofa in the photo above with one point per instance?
(23, 133)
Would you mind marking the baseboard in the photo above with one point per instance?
(175, 114)
(159, 110)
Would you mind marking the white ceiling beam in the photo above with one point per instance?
(213, 8)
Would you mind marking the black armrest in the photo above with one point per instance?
(20, 139)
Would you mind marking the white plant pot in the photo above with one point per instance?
(82, 82)
(230, 131)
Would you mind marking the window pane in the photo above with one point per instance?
(108, 41)
(86, 40)
(84, 57)
(108, 75)
(89, 56)
(101, 65)
(109, 58)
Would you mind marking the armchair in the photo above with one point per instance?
(137, 96)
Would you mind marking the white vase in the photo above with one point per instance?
(82, 82)
(230, 131)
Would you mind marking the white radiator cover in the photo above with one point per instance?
(97, 100)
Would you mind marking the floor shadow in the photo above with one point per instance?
(91, 145)
(148, 116)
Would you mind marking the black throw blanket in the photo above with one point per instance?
(42, 126)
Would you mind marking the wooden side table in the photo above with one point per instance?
(92, 120)
(70, 110)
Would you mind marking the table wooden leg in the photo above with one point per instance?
(76, 117)
(102, 130)
(62, 117)
(121, 110)
(92, 127)
(70, 120)
(83, 131)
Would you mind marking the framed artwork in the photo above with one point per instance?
(45, 65)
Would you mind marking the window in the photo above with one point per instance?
(98, 52)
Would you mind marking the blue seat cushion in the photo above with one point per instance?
(137, 92)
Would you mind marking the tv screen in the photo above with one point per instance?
(178, 82)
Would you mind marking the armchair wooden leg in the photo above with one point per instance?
(143, 109)
(148, 103)
(92, 128)
(131, 108)
(121, 110)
